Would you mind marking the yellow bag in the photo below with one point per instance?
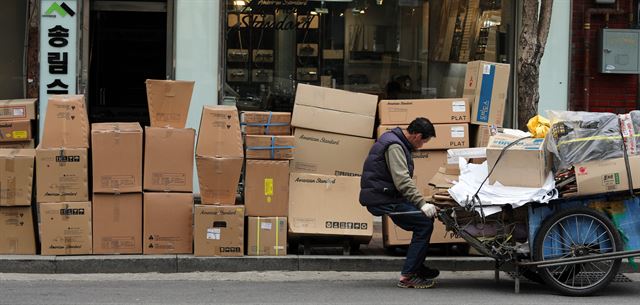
(538, 126)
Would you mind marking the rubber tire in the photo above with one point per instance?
(539, 239)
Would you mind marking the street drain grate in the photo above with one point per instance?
(583, 276)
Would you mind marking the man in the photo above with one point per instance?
(386, 186)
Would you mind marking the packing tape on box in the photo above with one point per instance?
(272, 147)
(258, 227)
(277, 235)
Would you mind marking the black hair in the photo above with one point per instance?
(422, 126)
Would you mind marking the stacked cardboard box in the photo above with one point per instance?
(269, 147)
(62, 188)
(219, 223)
(168, 170)
(332, 139)
(17, 118)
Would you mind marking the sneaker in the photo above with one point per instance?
(414, 281)
(428, 273)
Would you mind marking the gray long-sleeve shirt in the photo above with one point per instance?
(397, 164)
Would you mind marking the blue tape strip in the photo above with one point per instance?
(264, 124)
(266, 130)
(273, 142)
(486, 90)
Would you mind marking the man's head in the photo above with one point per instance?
(419, 132)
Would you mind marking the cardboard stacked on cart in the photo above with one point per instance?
(525, 164)
(333, 130)
(17, 120)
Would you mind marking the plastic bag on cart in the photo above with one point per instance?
(583, 136)
(630, 126)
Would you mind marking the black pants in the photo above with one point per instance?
(418, 223)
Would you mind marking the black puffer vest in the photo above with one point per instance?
(376, 183)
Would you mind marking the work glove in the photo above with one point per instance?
(429, 210)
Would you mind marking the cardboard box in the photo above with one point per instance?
(327, 205)
(117, 223)
(18, 145)
(11, 131)
(21, 109)
(265, 123)
(393, 236)
(168, 159)
(603, 176)
(65, 228)
(438, 111)
(329, 153)
(333, 110)
(526, 164)
(18, 234)
(266, 190)
(267, 236)
(116, 157)
(66, 123)
(61, 175)
(425, 165)
(218, 178)
(219, 134)
(168, 223)
(447, 136)
(169, 102)
(480, 135)
(486, 85)
(16, 176)
(218, 230)
(269, 147)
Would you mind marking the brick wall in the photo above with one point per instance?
(615, 93)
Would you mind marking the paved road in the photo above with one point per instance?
(287, 288)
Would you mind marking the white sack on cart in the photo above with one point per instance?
(493, 197)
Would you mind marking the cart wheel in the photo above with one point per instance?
(575, 233)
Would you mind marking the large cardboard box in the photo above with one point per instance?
(18, 145)
(18, 235)
(265, 123)
(426, 164)
(61, 174)
(447, 136)
(16, 176)
(603, 176)
(219, 134)
(486, 85)
(168, 223)
(329, 153)
(218, 178)
(327, 205)
(22, 109)
(168, 159)
(266, 190)
(117, 223)
(169, 102)
(116, 157)
(219, 230)
(525, 164)
(438, 111)
(393, 236)
(333, 110)
(65, 228)
(267, 236)
(269, 147)
(66, 123)
(19, 130)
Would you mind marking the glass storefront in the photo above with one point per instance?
(390, 48)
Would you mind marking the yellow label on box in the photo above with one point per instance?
(268, 186)
(20, 134)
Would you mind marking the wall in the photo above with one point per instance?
(554, 68)
(615, 93)
(12, 50)
(197, 48)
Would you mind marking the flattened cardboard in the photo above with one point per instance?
(66, 123)
(486, 85)
(168, 223)
(18, 145)
(329, 153)
(526, 164)
(20, 109)
(219, 134)
(266, 190)
(16, 176)
(269, 147)
(425, 165)
(65, 228)
(265, 123)
(447, 136)
(438, 111)
(267, 236)
(218, 230)
(327, 205)
(11, 131)
(117, 223)
(169, 102)
(168, 159)
(18, 234)
(116, 157)
(393, 236)
(61, 175)
(603, 176)
(218, 178)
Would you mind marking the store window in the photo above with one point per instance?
(390, 48)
